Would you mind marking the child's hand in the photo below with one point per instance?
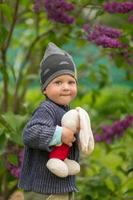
(68, 136)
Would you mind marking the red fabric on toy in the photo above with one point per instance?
(60, 152)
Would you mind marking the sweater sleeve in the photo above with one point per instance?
(40, 129)
(56, 139)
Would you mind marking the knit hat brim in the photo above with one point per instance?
(55, 75)
(55, 62)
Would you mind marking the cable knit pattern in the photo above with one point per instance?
(36, 136)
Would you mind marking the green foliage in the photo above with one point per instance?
(105, 90)
(105, 174)
(11, 127)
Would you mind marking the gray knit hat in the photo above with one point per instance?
(55, 62)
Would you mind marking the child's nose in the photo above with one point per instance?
(65, 86)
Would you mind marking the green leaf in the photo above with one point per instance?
(3, 141)
(13, 159)
(116, 180)
(25, 2)
(13, 130)
(2, 168)
(3, 34)
(128, 194)
(6, 124)
(6, 10)
(17, 138)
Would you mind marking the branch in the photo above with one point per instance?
(29, 53)
(12, 25)
(4, 61)
(22, 67)
(1, 13)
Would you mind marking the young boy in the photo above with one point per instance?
(43, 131)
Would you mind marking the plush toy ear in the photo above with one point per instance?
(86, 140)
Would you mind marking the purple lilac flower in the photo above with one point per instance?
(117, 7)
(108, 42)
(15, 169)
(108, 31)
(93, 35)
(57, 10)
(98, 137)
(116, 130)
(107, 134)
(105, 36)
(125, 52)
(130, 19)
(86, 27)
(37, 5)
(21, 155)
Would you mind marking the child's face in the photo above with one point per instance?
(62, 90)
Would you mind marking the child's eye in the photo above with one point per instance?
(58, 82)
(72, 82)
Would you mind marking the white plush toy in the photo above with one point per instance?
(74, 119)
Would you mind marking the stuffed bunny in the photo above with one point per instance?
(59, 164)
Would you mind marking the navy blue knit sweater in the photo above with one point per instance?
(37, 135)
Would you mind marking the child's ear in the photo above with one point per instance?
(44, 92)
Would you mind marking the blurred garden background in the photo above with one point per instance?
(99, 36)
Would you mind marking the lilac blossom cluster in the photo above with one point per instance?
(15, 169)
(57, 10)
(105, 36)
(115, 130)
(130, 19)
(38, 5)
(125, 53)
(118, 7)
